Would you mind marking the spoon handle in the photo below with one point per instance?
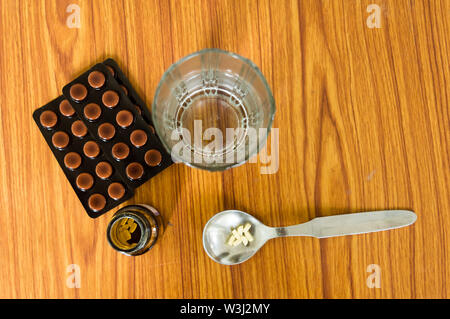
(350, 224)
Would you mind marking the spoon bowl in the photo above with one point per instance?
(218, 230)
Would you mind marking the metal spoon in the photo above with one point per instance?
(218, 230)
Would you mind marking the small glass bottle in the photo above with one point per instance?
(134, 229)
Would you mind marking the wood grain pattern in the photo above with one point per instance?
(363, 118)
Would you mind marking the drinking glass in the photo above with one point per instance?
(213, 110)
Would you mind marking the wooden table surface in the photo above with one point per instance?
(363, 121)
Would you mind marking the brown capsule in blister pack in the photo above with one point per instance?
(66, 109)
(90, 176)
(103, 170)
(72, 160)
(138, 138)
(48, 119)
(96, 79)
(116, 191)
(78, 129)
(78, 92)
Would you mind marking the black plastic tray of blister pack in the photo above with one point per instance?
(122, 134)
(132, 94)
(87, 164)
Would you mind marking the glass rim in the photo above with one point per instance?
(260, 76)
